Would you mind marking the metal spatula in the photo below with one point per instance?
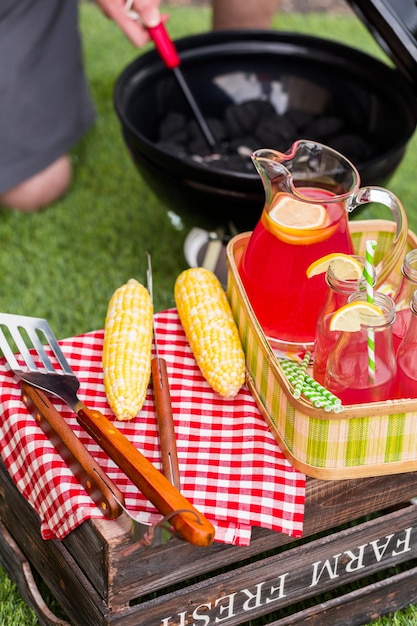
(98, 485)
(95, 481)
(28, 335)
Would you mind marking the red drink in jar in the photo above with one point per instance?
(324, 342)
(404, 297)
(407, 356)
(355, 387)
(406, 381)
(400, 326)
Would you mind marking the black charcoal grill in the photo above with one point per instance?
(263, 89)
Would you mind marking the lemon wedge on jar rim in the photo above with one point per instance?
(351, 316)
(344, 266)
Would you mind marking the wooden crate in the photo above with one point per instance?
(100, 577)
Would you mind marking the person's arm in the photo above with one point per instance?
(134, 30)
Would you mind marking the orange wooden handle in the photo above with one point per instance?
(165, 421)
(87, 471)
(189, 523)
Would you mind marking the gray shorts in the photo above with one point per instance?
(45, 105)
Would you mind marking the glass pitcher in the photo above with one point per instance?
(309, 192)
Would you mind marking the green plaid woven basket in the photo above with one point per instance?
(364, 440)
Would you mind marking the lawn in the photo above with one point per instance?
(64, 263)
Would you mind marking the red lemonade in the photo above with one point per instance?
(406, 381)
(325, 341)
(273, 269)
(353, 385)
(407, 356)
(399, 329)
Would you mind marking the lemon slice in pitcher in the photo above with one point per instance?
(297, 222)
(344, 266)
(297, 215)
(350, 316)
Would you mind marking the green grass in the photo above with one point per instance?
(63, 263)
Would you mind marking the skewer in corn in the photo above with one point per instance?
(163, 406)
(127, 349)
(211, 331)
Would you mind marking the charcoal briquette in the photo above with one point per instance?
(241, 118)
(233, 163)
(239, 144)
(321, 128)
(300, 119)
(198, 145)
(353, 146)
(173, 148)
(216, 126)
(275, 131)
(173, 125)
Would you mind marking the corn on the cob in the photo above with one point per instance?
(127, 350)
(211, 331)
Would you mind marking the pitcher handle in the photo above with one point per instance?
(379, 195)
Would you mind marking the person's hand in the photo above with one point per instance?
(134, 29)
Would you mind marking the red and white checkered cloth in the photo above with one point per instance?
(231, 468)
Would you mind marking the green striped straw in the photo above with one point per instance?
(302, 370)
(317, 398)
(318, 395)
(328, 395)
(369, 279)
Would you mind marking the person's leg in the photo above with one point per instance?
(45, 105)
(248, 14)
(41, 189)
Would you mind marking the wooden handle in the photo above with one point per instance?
(189, 523)
(87, 471)
(165, 421)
